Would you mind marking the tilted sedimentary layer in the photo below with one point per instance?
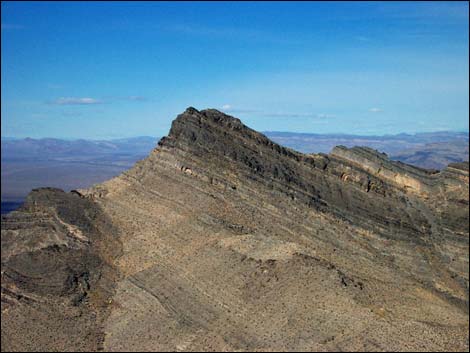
(223, 240)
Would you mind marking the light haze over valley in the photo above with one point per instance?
(235, 176)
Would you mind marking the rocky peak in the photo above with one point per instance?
(351, 183)
(141, 261)
(204, 126)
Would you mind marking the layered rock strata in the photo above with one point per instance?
(224, 240)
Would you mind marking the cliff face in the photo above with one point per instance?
(223, 240)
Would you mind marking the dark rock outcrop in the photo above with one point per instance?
(57, 272)
(224, 240)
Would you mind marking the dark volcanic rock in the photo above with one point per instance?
(224, 240)
(57, 272)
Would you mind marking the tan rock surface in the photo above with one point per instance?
(224, 240)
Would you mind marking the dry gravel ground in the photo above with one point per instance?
(222, 240)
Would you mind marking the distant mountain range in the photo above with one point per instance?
(75, 150)
(68, 164)
(433, 150)
(30, 163)
(223, 240)
(394, 145)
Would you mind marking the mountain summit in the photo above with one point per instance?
(222, 239)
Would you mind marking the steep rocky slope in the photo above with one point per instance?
(223, 240)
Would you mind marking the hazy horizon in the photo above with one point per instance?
(5, 138)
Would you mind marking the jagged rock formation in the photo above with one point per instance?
(223, 240)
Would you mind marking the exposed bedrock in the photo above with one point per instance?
(224, 240)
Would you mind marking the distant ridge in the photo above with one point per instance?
(222, 239)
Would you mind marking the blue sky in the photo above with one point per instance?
(119, 69)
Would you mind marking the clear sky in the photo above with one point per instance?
(120, 69)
